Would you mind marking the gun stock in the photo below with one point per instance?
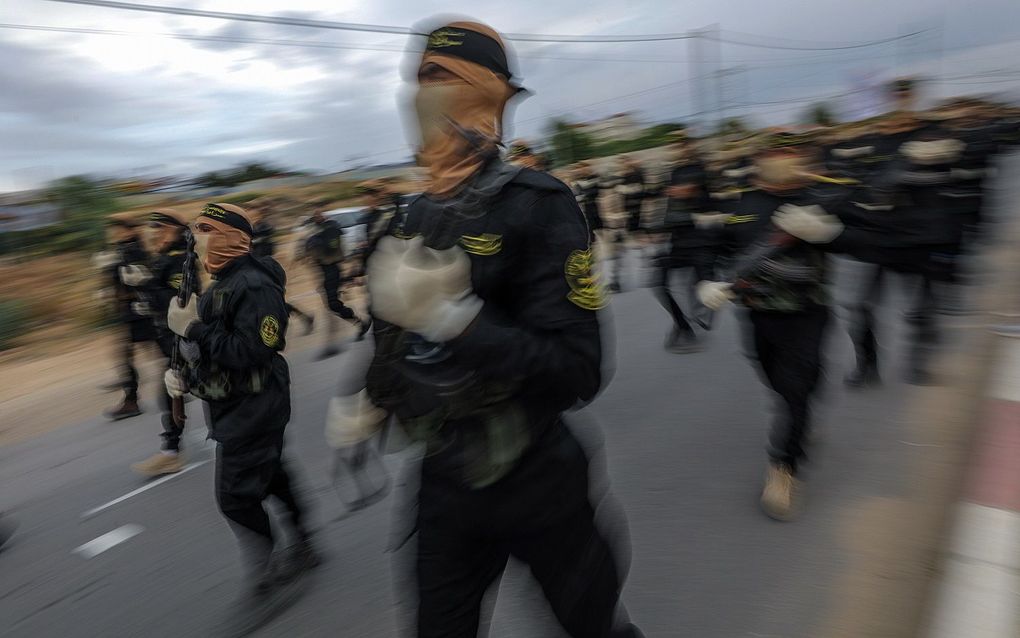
(188, 279)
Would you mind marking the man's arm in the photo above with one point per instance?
(554, 340)
(259, 327)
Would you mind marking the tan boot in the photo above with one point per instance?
(159, 463)
(779, 498)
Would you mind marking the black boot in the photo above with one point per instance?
(309, 323)
(682, 341)
(865, 375)
(126, 410)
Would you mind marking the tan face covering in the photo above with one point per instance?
(158, 238)
(780, 172)
(217, 248)
(472, 104)
(116, 234)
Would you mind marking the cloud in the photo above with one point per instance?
(80, 103)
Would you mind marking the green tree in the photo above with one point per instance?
(84, 204)
(569, 145)
(819, 114)
(733, 126)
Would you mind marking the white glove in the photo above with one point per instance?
(104, 259)
(933, 151)
(809, 223)
(134, 275)
(175, 385)
(352, 419)
(178, 319)
(421, 289)
(141, 308)
(714, 294)
(709, 220)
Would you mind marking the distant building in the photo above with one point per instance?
(26, 211)
(622, 126)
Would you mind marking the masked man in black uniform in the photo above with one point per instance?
(691, 223)
(782, 231)
(127, 270)
(235, 333)
(325, 248)
(486, 332)
(164, 238)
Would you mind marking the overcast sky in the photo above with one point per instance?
(145, 103)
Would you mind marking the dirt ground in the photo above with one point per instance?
(57, 378)
(55, 375)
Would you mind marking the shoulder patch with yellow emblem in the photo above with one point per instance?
(269, 330)
(175, 281)
(585, 290)
(484, 245)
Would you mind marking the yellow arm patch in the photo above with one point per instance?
(175, 281)
(269, 330)
(484, 245)
(585, 290)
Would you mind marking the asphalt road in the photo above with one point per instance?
(681, 436)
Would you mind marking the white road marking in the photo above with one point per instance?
(979, 593)
(1007, 381)
(97, 546)
(147, 486)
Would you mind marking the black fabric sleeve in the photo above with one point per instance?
(553, 342)
(250, 332)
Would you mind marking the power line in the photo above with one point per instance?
(522, 37)
(311, 44)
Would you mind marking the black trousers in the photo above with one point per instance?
(862, 325)
(171, 432)
(331, 281)
(789, 351)
(248, 471)
(633, 217)
(135, 332)
(699, 262)
(540, 514)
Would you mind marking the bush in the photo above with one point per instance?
(240, 198)
(14, 321)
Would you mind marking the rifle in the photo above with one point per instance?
(188, 281)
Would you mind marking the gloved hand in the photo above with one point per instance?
(104, 259)
(134, 275)
(175, 385)
(352, 419)
(141, 308)
(422, 290)
(809, 223)
(714, 294)
(178, 319)
(709, 220)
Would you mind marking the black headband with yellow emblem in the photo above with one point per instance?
(471, 46)
(230, 218)
(786, 139)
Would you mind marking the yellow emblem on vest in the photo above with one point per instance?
(270, 331)
(483, 245)
(175, 281)
(585, 290)
(442, 38)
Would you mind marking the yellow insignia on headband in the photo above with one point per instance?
(213, 211)
(442, 38)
